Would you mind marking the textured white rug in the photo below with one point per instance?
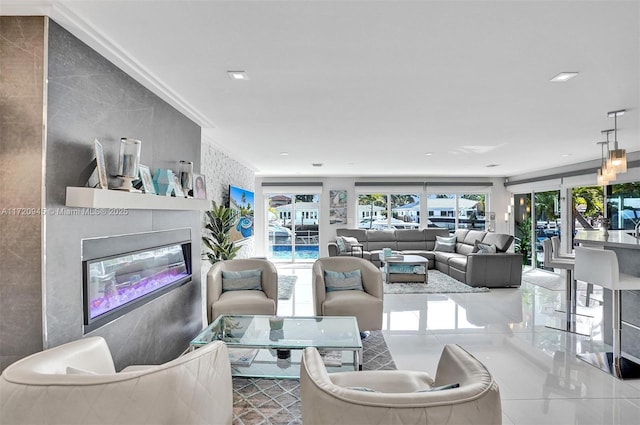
(439, 283)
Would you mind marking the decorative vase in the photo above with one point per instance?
(128, 163)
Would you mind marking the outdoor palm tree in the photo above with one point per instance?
(372, 200)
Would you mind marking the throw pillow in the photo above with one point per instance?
(342, 246)
(440, 388)
(242, 280)
(445, 244)
(350, 242)
(343, 281)
(485, 248)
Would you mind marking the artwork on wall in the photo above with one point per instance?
(241, 200)
(338, 207)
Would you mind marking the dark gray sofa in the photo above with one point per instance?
(501, 269)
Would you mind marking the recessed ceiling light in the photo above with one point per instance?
(429, 154)
(284, 153)
(566, 154)
(317, 164)
(237, 75)
(563, 77)
(492, 165)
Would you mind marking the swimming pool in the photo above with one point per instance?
(304, 252)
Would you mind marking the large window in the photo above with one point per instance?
(388, 211)
(456, 211)
(623, 205)
(547, 213)
(522, 223)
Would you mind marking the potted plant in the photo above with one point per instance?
(523, 240)
(219, 222)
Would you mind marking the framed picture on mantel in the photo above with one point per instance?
(101, 167)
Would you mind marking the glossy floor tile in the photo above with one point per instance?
(512, 332)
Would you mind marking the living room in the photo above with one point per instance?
(41, 305)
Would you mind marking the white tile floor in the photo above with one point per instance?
(541, 380)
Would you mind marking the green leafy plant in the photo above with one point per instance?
(219, 222)
(523, 239)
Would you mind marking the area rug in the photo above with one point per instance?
(286, 285)
(439, 283)
(277, 401)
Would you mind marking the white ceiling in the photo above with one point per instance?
(367, 88)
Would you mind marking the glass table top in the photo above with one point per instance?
(328, 332)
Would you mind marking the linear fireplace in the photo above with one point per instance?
(122, 273)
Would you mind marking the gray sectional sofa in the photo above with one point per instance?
(502, 269)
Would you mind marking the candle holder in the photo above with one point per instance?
(186, 177)
(128, 163)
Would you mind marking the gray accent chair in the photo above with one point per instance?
(245, 301)
(365, 305)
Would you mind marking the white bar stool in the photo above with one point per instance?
(600, 267)
(555, 243)
(570, 285)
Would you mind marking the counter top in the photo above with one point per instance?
(616, 238)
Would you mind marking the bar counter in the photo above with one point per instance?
(627, 249)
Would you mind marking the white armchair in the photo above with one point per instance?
(259, 302)
(76, 384)
(395, 397)
(365, 305)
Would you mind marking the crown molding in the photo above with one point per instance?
(100, 42)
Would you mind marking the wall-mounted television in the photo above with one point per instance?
(241, 200)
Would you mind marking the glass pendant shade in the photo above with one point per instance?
(608, 173)
(602, 181)
(618, 160)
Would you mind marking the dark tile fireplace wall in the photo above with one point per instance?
(88, 97)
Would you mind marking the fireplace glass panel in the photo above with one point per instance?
(117, 284)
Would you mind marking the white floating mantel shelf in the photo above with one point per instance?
(87, 197)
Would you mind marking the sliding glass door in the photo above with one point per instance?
(292, 230)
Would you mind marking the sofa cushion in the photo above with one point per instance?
(410, 239)
(461, 234)
(473, 236)
(500, 240)
(444, 257)
(467, 245)
(445, 244)
(380, 239)
(458, 263)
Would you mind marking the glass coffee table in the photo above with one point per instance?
(261, 346)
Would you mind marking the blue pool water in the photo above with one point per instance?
(304, 252)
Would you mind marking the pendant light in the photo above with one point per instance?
(617, 157)
(605, 173)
